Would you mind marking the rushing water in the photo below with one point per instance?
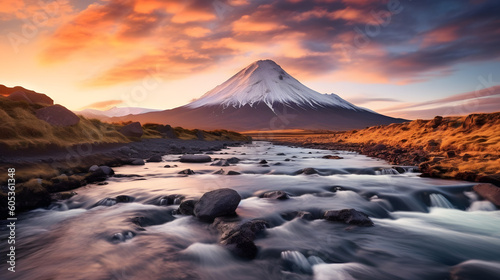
(423, 227)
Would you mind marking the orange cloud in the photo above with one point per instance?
(103, 105)
(248, 24)
(440, 36)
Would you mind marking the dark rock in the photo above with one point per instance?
(379, 147)
(332, 157)
(195, 158)
(219, 172)
(288, 159)
(281, 154)
(451, 154)
(221, 162)
(493, 179)
(137, 162)
(233, 160)
(167, 131)
(124, 199)
(217, 203)
(155, 158)
(187, 172)
(466, 176)
(167, 166)
(96, 176)
(474, 120)
(466, 157)
(31, 97)
(307, 171)
(238, 237)
(263, 161)
(171, 199)
(57, 115)
(348, 216)
(62, 195)
(281, 195)
(132, 130)
(436, 121)
(231, 172)
(489, 192)
(187, 207)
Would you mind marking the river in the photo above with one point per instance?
(423, 227)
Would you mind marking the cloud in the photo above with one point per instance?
(364, 100)
(485, 105)
(353, 40)
(103, 105)
(474, 96)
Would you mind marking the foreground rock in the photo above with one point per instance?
(488, 192)
(238, 237)
(195, 158)
(348, 216)
(217, 203)
(57, 115)
(132, 130)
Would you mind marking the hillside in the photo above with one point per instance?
(466, 147)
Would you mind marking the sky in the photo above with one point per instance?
(404, 58)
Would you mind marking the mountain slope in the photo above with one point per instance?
(264, 97)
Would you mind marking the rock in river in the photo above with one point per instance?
(281, 195)
(489, 192)
(196, 158)
(217, 203)
(238, 237)
(348, 216)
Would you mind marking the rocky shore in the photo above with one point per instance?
(43, 176)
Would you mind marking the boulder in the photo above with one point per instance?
(238, 237)
(281, 195)
(489, 192)
(187, 207)
(195, 158)
(233, 160)
(137, 162)
(155, 158)
(217, 203)
(221, 162)
(132, 130)
(31, 97)
(348, 216)
(186, 172)
(231, 172)
(57, 115)
(263, 161)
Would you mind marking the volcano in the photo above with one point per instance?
(263, 96)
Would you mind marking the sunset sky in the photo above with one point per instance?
(412, 59)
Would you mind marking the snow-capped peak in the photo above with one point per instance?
(265, 81)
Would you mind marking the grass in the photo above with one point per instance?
(21, 129)
(477, 135)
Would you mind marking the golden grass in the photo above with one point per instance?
(20, 129)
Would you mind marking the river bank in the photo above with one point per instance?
(462, 148)
(43, 176)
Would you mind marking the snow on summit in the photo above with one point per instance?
(266, 82)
